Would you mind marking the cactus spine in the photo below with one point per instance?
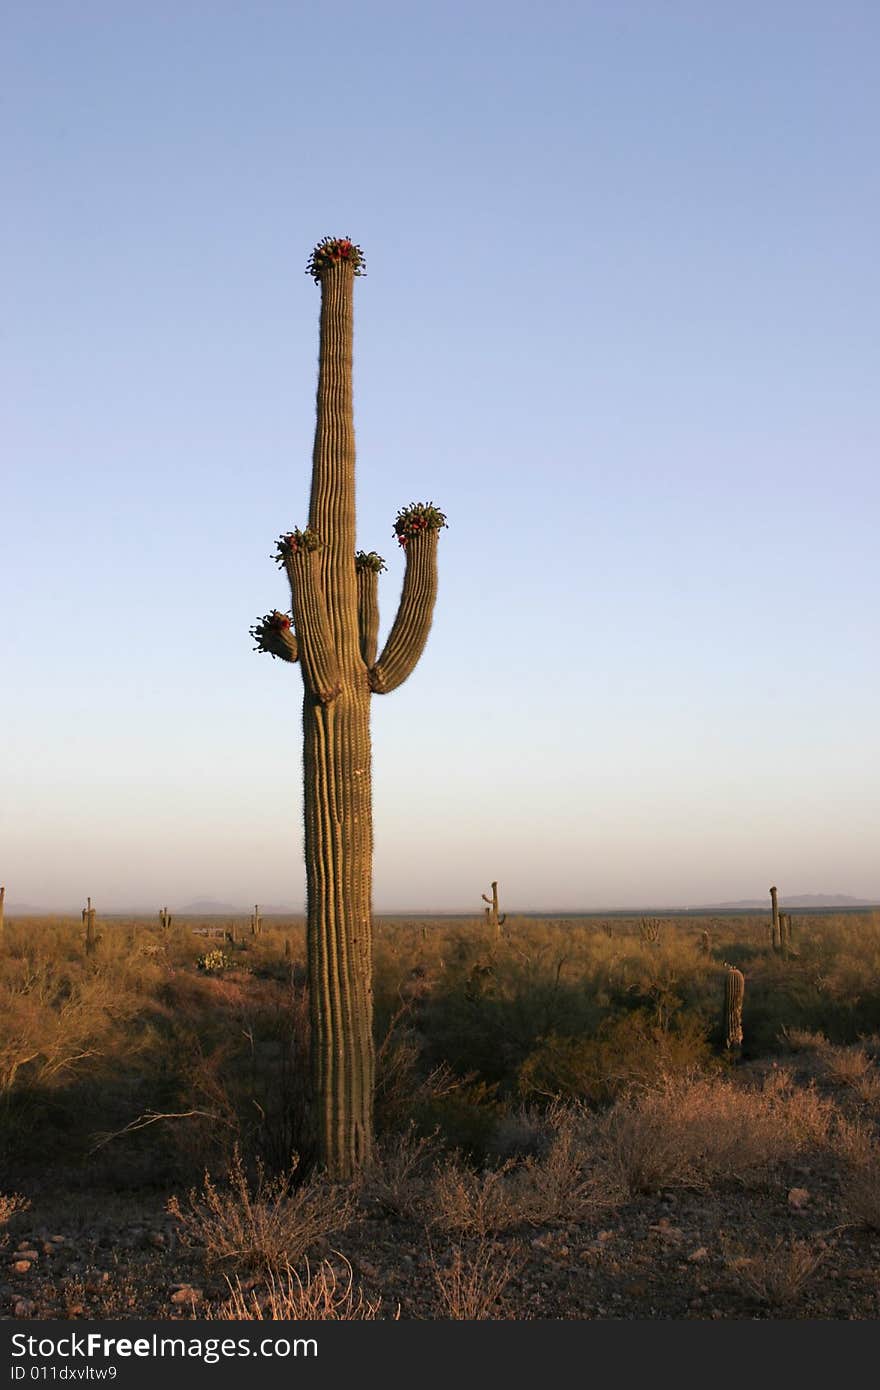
(492, 918)
(335, 620)
(256, 921)
(734, 991)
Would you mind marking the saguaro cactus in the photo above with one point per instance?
(2, 901)
(256, 921)
(164, 918)
(492, 918)
(88, 916)
(333, 635)
(775, 928)
(734, 992)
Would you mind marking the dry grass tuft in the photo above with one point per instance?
(287, 1297)
(270, 1227)
(777, 1276)
(472, 1285)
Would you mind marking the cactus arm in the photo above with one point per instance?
(273, 634)
(317, 653)
(368, 566)
(409, 633)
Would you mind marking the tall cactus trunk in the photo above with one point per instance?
(2, 901)
(339, 849)
(337, 776)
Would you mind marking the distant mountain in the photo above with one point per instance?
(209, 907)
(792, 900)
(204, 907)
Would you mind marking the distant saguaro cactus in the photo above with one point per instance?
(775, 929)
(88, 916)
(256, 921)
(334, 637)
(705, 942)
(734, 992)
(164, 918)
(2, 901)
(492, 918)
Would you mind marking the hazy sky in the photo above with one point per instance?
(619, 322)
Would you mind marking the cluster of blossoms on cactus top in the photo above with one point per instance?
(335, 251)
(413, 520)
(369, 560)
(295, 541)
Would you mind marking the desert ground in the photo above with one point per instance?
(562, 1130)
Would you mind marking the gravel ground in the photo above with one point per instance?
(681, 1255)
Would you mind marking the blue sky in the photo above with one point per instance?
(619, 322)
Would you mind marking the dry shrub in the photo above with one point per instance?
(858, 1155)
(518, 1133)
(288, 1297)
(847, 1066)
(471, 1286)
(399, 1180)
(689, 1132)
(10, 1205)
(397, 1061)
(802, 1040)
(560, 1184)
(270, 1227)
(52, 1023)
(470, 1203)
(777, 1275)
(634, 1049)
